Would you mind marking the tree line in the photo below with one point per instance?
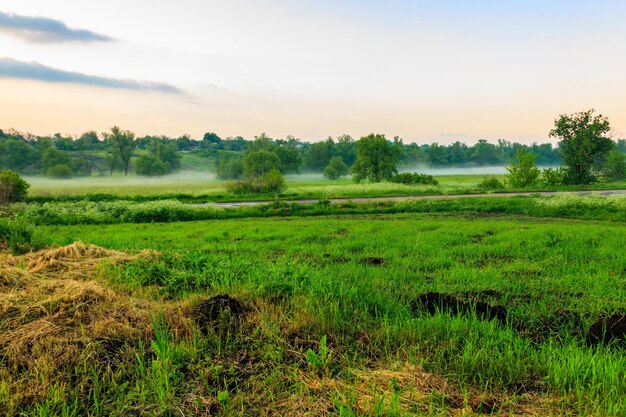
(237, 158)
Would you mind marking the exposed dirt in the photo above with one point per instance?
(209, 312)
(374, 261)
(608, 330)
(434, 302)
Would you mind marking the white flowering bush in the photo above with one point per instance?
(569, 201)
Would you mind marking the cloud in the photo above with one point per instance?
(45, 30)
(11, 68)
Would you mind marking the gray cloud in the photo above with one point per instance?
(45, 30)
(11, 68)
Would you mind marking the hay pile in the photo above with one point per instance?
(54, 316)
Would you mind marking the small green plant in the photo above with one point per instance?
(490, 184)
(553, 176)
(523, 171)
(319, 361)
(413, 178)
(17, 235)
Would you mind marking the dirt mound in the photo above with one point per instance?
(434, 302)
(208, 313)
(608, 330)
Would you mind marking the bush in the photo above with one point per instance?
(413, 178)
(336, 168)
(523, 171)
(553, 176)
(18, 236)
(150, 165)
(270, 183)
(12, 187)
(61, 171)
(490, 184)
(229, 167)
(614, 168)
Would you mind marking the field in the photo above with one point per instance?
(459, 307)
(203, 186)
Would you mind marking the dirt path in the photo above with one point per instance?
(422, 197)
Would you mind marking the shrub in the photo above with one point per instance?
(615, 166)
(336, 168)
(413, 178)
(150, 165)
(490, 184)
(269, 183)
(61, 171)
(12, 187)
(523, 171)
(553, 176)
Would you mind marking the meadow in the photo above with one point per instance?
(449, 307)
(204, 187)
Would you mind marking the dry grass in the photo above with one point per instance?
(54, 315)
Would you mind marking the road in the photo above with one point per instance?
(421, 197)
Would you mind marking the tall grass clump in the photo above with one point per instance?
(16, 235)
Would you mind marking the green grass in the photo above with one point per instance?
(202, 186)
(351, 280)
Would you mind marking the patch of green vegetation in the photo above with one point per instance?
(328, 298)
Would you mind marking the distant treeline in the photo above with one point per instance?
(91, 153)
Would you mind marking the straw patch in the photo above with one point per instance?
(54, 316)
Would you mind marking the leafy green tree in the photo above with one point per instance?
(336, 168)
(13, 188)
(229, 166)
(166, 152)
(376, 160)
(484, 153)
(615, 166)
(319, 154)
(15, 154)
(258, 163)
(289, 154)
(53, 156)
(346, 148)
(122, 143)
(150, 165)
(523, 171)
(583, 144)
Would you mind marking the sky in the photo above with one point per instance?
(426, 71)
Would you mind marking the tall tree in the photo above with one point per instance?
(122, 144)
(376, 159)
(583, 144)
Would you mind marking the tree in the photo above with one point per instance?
(12, 187)
(229, 166)
(615, 166)
(336, 168)
(258, 163)
(123, 144)
(150, 164)
(523, 170)
(583, 144)
(375, 159)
